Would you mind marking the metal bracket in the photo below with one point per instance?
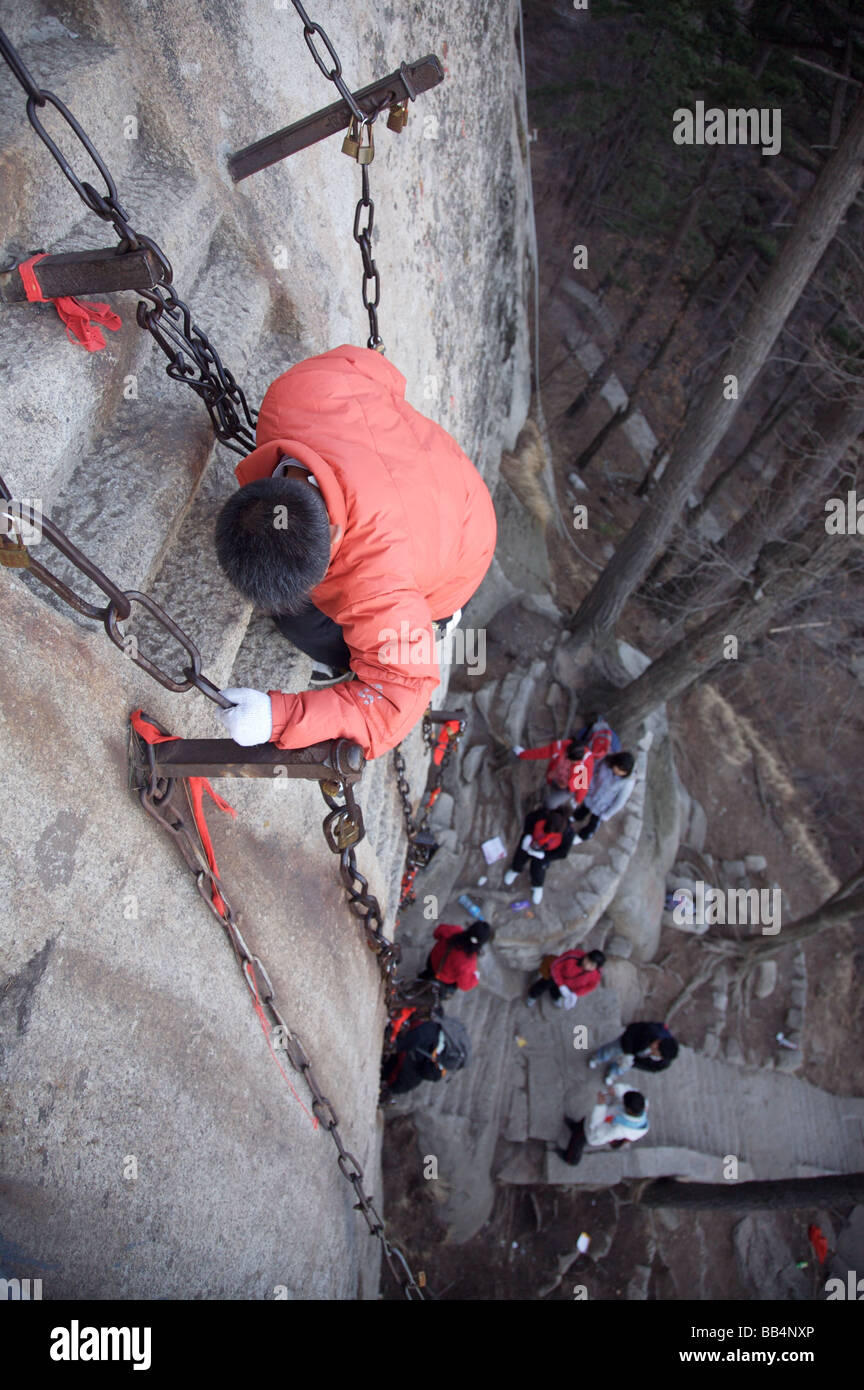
(403, 85)
(104, 271)
(222, 757)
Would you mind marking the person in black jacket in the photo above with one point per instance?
(546, 835)
(416, 1051)
(645, 1046)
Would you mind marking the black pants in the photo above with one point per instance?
(538, 866)
(316, 635)
(574, 1149)
(541, 986)
(580, 814)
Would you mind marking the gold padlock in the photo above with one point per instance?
(367, 152)
(351, 143)
(14, 554)
(398, 118)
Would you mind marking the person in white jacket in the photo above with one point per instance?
(619, 1117)
(610, 790)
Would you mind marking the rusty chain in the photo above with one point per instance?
(193, 360)
(15, 555)
(158, 796)
(192, 357)
(420, 848)
(362, 235)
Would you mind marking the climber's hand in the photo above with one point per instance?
(516, 750)
(527, 843)
(251, 720)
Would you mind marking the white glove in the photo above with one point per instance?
(517, 749)
(251, 720)
(537, 853)
(570, 999)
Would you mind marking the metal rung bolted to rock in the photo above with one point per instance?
(338, 761)
(393, 91)
(104, 271)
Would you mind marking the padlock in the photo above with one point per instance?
(367, 152)
(351, 143)
(398, 117)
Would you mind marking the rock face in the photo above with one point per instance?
(637, 908)
(128, 1031)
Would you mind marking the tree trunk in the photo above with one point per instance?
(836, 428)
(834, 1189)
(821, 214)
(777, 580)
(840, 908)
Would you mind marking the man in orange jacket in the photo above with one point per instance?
(358, 524)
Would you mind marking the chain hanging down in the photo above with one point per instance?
(364, 155)
(192, 358)
(169, 803)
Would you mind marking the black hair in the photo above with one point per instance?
(472, 938)
(634, 1102)
(556, 821)
(625, 761)
(598, 958)
(576, 750)
(668, 1049)
(273, 542)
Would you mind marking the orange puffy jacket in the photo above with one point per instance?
(418, 536)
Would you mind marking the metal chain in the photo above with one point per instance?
(343, 829)
(363, 238)
(417, 855)
(362, 235)
(157, 796)
(14, 554)
(192, 358)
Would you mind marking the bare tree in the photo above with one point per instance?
(809, 465)
(786, 574)
(712, 416)
(843, 905)
(834, 1189)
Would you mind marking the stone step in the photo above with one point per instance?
(605, 1168)
(45, 442)
(180, 569)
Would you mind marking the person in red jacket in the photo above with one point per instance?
(570, 976)
(571, 765)
(453, 961)
(546, 836)
(360, 525)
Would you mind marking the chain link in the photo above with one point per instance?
(418, 854)
(159, 798)
(118, 608)
(362, 236)
(192, 358)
